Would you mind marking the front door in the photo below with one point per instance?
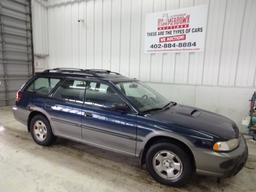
(102, 125)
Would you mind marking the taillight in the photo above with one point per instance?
(18, 96)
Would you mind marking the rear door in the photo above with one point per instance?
(37, 91)
(35, 95)
(65, 108)
(103, 126)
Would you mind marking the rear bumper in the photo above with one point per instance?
(222, 164)
(20, 114)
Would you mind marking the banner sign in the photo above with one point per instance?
(181, 30)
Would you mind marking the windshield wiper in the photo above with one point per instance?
(153, 109)
(161, 108)
(168, 104)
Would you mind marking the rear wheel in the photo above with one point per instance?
(169, 164)
(41, 130)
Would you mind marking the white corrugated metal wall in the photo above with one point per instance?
(110, 35)
(40, 34)
(40, 27)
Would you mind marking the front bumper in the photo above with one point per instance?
(222, 164)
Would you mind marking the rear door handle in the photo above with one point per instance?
(87, 114)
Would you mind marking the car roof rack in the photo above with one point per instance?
(100, 72)
(90, 72)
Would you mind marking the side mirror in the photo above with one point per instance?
(121, 107)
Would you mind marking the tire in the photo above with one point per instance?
(169, 164)
(41, 131)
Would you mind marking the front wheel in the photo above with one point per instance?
(169, 164)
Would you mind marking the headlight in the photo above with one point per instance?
(226, 145)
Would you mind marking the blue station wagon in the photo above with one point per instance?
(117, 113)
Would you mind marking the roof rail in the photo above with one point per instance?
(100, 71)
(63, 69)
(94, 72)
(68, 71)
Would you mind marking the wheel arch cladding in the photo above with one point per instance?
(161, 139)
(33, 114)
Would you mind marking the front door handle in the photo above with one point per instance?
(87, 114)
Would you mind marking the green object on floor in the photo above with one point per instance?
(252, 125)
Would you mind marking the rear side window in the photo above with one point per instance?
(43, 85)
(71, 90)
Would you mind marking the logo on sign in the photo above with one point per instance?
(173, 22)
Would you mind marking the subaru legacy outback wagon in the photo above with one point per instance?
(113, 112)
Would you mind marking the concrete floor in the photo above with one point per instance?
(70, 166)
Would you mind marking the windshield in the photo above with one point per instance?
(141, 96)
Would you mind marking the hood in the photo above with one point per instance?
(199, 120)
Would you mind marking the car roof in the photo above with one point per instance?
(85, 73)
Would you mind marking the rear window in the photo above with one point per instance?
(43, 85)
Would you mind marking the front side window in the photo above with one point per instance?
(101, 95)
(141, 96)
(43, 85)
(71, 90)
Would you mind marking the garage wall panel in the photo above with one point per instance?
(145, 59)
(196, 60)
(215, 29)
(247, 57)
(90, 34)
(107, 30)
(15, 48)
(98, 49)
(182, 59)
(51, 42)
(40, 27)
(126, 19)
(234, 19)
(135, 38)
(112, 37)
(81, 33)
(66, 32)
(156, 64)
(169, 60)
(115, 35)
